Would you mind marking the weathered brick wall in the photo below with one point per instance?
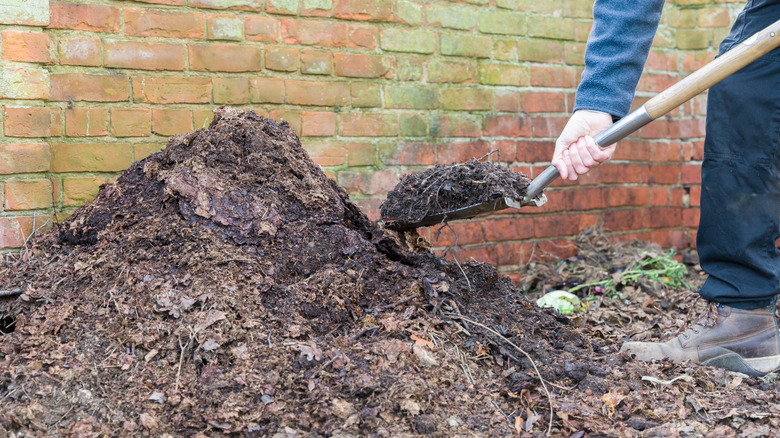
(375, 88)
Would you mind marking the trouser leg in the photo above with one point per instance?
(740, 195)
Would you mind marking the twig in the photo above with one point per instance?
(549, 396)
(363, 332)
(399, 302)
(464, 273)
(10, 292)
(502, 413)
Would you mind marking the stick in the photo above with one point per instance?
(549, 396)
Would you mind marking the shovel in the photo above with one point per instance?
(674, 96)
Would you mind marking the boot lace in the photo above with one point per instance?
(707, 318)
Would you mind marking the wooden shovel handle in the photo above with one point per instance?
(712, 73)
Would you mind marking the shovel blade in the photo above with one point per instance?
(467, 212)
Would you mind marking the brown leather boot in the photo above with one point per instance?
(746, 341)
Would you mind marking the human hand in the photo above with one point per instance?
(575, 151)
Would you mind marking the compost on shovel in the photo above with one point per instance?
(225, 285)
(442, 189)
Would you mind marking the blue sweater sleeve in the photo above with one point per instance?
(616, 53)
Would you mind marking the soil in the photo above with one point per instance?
(442, 189)
(225, 286)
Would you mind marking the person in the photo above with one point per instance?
(740, 186)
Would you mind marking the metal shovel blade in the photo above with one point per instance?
(467, 212)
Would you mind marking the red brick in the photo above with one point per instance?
(293, 118)
(534, 151)
(327, 153)
(664, 174)
(318, 123)
(626, 196)
(313, 33)
(563, 225)
(509, 229)
(143, 150)
(88, 87)
(80, 51)
(560, 77)
(316, 62)
(548, 126)
(656, 82)
(225, 57)
(232, 91)
(363, 66)
(224, 27)
(670, 238)
(543, 102)
(266, 90)
(86, 122)
(368, 182)
(368, 125)
(611, 173)
(690, 174)
(658, 60)
(507, 126)
(369, 10)
(260, 28)
(89, 17)
(171, 121)
(242, 5)
(690, 217)
(455, 125)
(316, 93)
(457, 152)
(361, 154)
(507, 101)
(281, 58)
(664, 217)
(24, 158)
(32, 122)
(171, 89)
(143, 55)
(27, 46)
(169, 24)
(484, 254)
(580, 199)
(363, 37)
(27, 194)
(407, 154)
(130, 122)
(78, 191)
(203, 118)
(632, 151)
(14, 230)
(458, 233)
(695, 196)
(623, 220)
(509, 254)
(90, 157)
(466, 99)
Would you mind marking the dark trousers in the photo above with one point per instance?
(740, 196)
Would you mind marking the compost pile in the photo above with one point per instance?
(225, 285)
(446, 188)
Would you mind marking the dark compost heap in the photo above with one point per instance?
(446, 188)
(225, 285)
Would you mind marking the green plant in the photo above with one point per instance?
(652, 267)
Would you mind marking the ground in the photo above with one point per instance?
(226, 286)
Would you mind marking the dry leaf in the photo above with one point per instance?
(422, 342)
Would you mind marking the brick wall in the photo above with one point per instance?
(375, 88)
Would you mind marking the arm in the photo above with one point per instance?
(616, 53)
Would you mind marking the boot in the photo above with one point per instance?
(746, 341)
